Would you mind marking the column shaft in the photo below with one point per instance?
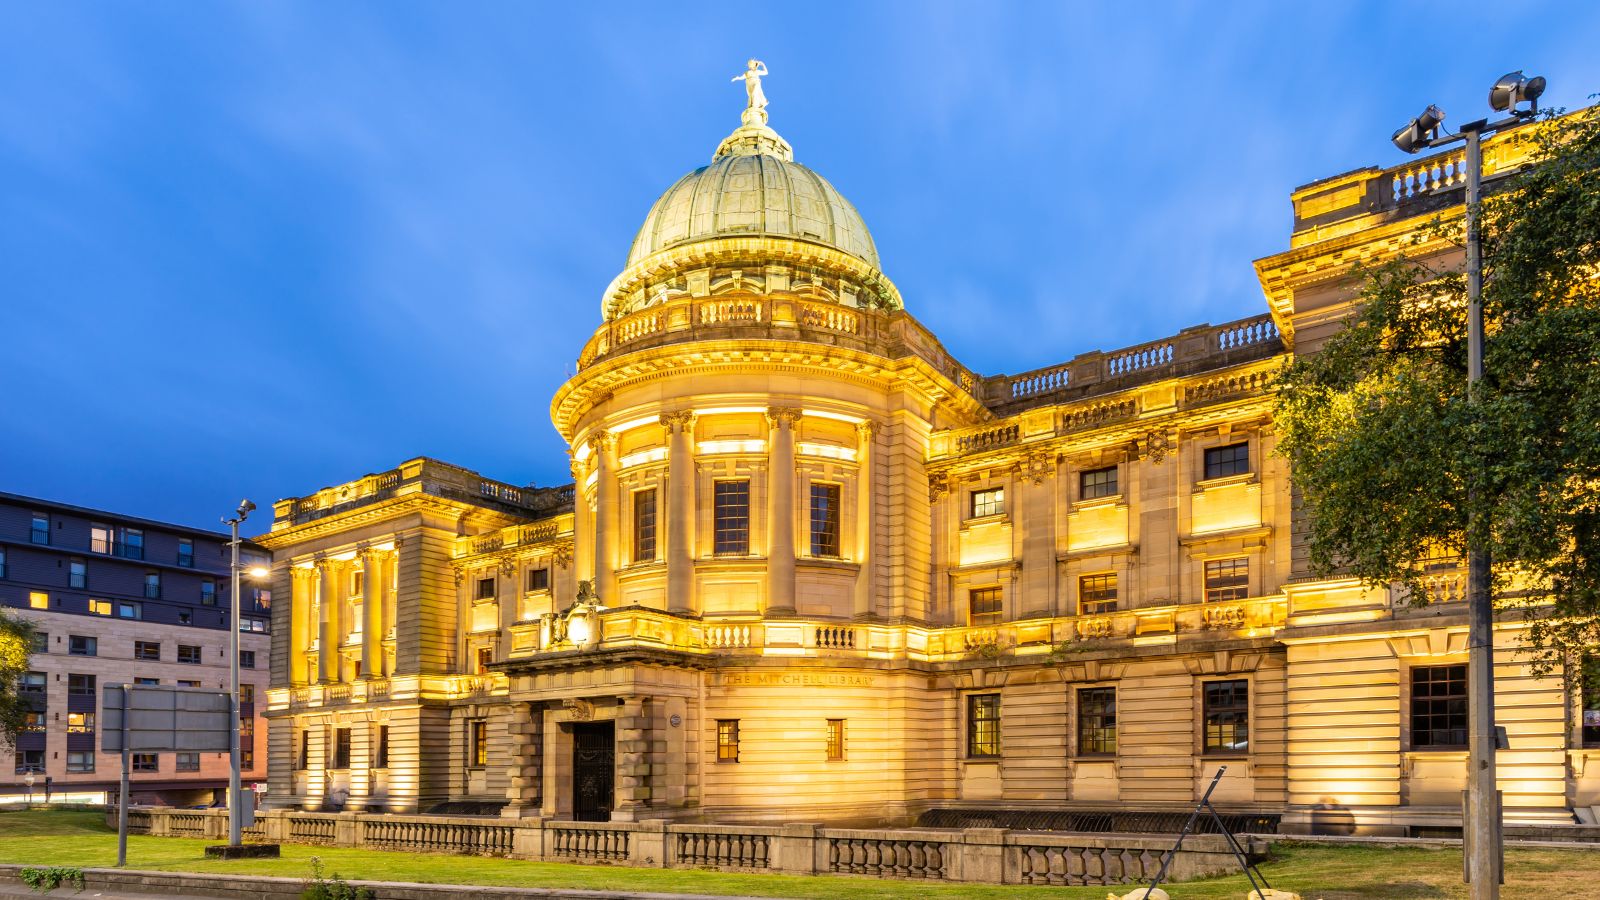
(375, 590)
(865, 460)
(329, 599)
(680, 511)
(780, 507)
(606, 527)
(302, 596)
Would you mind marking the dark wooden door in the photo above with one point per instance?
(593, 771)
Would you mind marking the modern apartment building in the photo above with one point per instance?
(118, 599)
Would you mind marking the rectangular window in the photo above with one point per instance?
(150, 650)
(835, 739)
(33, 721)
(481, 660)
(79, 645)
(41, 529)
(991, 502)
(727, 740)
(33, 761)
(132, 543)
(984, 605)
(341, 748)
(983, 725)
(77, 574)
(186, 761)
(186, 553)
(80, 723)
(478, 744)
(247, 659)
(189, 654)
(147, 682)
(187, 683)
(358, 582)
(486, 588)
(644, 526)
(1589, 701)
(130, 609)
(2, 562)
(100, 540)
(1227, 579)
(80, 761)
(302, 756)
(1227, 716)
(146, 762)
(1096, 483)
(1097, 721)
(731, 508)
(247, 694)
(381, 759)
(538, 579)
(1439, 707)
(208, 592)
(1097, 594)
(41, 642)
(825, 520)
(152, 585)
(1234, 459)
(100, 607)
(185, 617)
(34, 683)
(38, 600)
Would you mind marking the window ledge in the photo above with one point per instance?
(996, 519)
(1207, 484)
(1097, 502)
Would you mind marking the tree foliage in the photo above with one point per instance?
(1394, 465)
(16, 642)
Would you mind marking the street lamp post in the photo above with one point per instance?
(1482, 838)
(235, 795)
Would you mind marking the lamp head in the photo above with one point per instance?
(1415, 135)
(258, 571)
(1514, 88)
(246, 508)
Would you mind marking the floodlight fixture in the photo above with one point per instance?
(1514, 88)
(1419, 131)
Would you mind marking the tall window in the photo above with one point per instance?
(984, 605)
(1589, 700)
(148, 650)
(133, 543)
(33, 721)
(152, 585)
(835, 739)
(1227, 579)
(644, 525)
(380, 759)
(302, 756)
(1097, 721)
(247, 659)
(731, 507)
(991, 502)
(983, 725)
(2, 562)
(482, 659)
(478, 744)
(186, 553)
(1233, 459)
(189, 654)
(40, 533)
(208, 592)
(727, 740)
(80, 723)
(341, 748)
(1097, 593)
(538, 580)
(1227, 716)
(247, 694)
(79, 645)
(1438, 707)
(824, 520)
(100, 540)
(77, 574)
(33, 761)
(35, 683)
(1096, 483)
(486, 588)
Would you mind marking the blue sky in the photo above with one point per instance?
(252, 249)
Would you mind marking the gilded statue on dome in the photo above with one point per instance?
(756, 111)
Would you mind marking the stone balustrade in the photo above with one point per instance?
(422, 475)
(983, 855)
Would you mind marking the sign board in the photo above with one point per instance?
(159, 717)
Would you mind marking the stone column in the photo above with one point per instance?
(525, 787)
(509, 601)
(302, 622)
(680, 511)
(633, 760)
(375, 565)
(330, 598)
(780, 509)
(362, 741)
(1036, 520)
(582, 529)
(604, 446)
(865, 460)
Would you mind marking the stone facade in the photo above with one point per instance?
(811, 568)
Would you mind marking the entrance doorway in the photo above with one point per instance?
(593, 771)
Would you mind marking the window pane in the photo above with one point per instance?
(1227, 579)
(1097, 720)
(983, 725)
(486, 588)
(991, 502)
(40, 533)
(835, 739)
(644, 526)
(1097, 593)
(1234, 459)
(538, 579)
(825, 520)
(732, 513)
(1227, 716)
(1097, 483)
(1439, 707)
(984, 605)
(727, 740)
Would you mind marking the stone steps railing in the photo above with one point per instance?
(984, 855)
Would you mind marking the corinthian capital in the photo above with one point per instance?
(602, 442)
(865, 429)
(783, 416)
(678, 422)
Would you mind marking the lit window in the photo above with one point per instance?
(1227, 716)
(991, 502)
(825, 520)
(481, 660)
(79, 645)
(1097, 594)
(984, 605)
(40, 533)
(1234, 459)
(33, 721)
(147, 650)
(146, 762)
(38, 600)
(486, 588)
(80, 723)
(208, 592)
(100, 607)
(152, 585)
(77, 574)
(731, 508)
(247, 694)
(341, 748)
(100, 540)
(358, 582)
(187, 683)
(983, 725)
(186, 761)
(247, 742)
(538, 579)
(479, 740)
(80, 761)
(381, 760)
(1097, 721)
(132, 543)
(727, 740)
(147, 682)
(1438, 707)
(644, 526)
(186, 553)
(189, 654)
(835, 739)
(1097, 483)
(1227, 579)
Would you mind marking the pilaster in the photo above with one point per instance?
(866, 559)
(680, 511)
(604, 448)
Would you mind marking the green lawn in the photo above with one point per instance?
(82, 839)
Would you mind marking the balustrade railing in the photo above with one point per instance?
(831, 317)
(1137, 359)
(723, 850)
(1068, 865)
(1042, 381)
(1097, 414)
(417, 834)
(835, 637)
(727, 636)
(1429, 175)
(895, 857)
(596, 843)
(313, 830)
(988, 437)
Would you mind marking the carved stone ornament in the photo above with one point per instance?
(938, 486)
(865, 429)
(602, 442)
(783, 416)
(678, 422)
(1036, 467)
(586, 591)
(578, 710)
(1154, 446)
(563, 554)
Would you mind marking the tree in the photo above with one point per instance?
(1385, 448)
(16, 642)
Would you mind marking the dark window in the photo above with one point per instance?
(247, 659)
(984, 605)
(1227, 716)
(186, 761)
(2, 562)
(152, 585)
(188, 653)
(824, 520)
(147, 682)
(77, 574)
(78, 645)
(478, 740)
(381, 759)
(186, 553)
(185, 618)
(732, 518)
(79, 761)
(1439, 707)
(644, 526)
(35, 683)
(302, 757)
(41, 529)
(33, 761)
(835, 739)
(247, 694)
(186, 683)
(486, 588)
(341, 748)
(538, 579)
(481, 661)
(150, 650)
(208, 593)
(146, 762)
(80, 723)
(1227, 579)
(133, 543)
(727, 740)
(991, 502)
(41, 642)
(1234, 459)
(1097, 721)
(983, 724)
(130, 609)
(1097, 593)
(1589, 696)
(1097, 483)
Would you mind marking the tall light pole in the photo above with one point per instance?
(1482, 838)
(235, 795)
